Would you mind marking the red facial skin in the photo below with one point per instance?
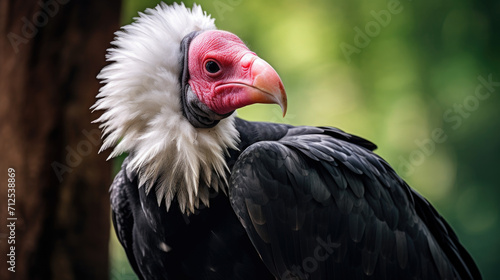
(243, 78)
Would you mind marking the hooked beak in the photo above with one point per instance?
(267, 86)
(262, 85)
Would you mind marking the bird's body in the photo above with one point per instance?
(341, 230)
(205, 195)
(208, 244)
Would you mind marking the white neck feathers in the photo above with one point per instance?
(143, 114)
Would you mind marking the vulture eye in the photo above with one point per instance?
(212, 67)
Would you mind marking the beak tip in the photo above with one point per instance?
(268, 85)
(284, 102)
(283, 108)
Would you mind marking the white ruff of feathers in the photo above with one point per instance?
(143, 115)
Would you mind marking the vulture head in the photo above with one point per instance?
(169, 97)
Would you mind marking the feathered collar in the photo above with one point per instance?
(143, 115)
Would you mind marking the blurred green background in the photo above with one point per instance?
(419, 78)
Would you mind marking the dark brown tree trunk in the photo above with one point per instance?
(50, 53)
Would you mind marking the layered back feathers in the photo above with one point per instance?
(143, 114)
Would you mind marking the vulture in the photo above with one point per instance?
(203, 194)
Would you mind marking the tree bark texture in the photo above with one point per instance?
(50, 54)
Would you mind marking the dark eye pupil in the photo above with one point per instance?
(212, 66)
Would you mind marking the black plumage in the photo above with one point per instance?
(302, 203)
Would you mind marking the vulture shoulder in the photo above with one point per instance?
(318, 204)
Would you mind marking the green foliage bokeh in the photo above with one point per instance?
(408, 75)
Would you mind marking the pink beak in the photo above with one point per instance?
(263, 86)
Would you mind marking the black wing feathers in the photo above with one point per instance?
(121, 215)
(315, 203)
(446, 238)
(318, 204)
(210, 244)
